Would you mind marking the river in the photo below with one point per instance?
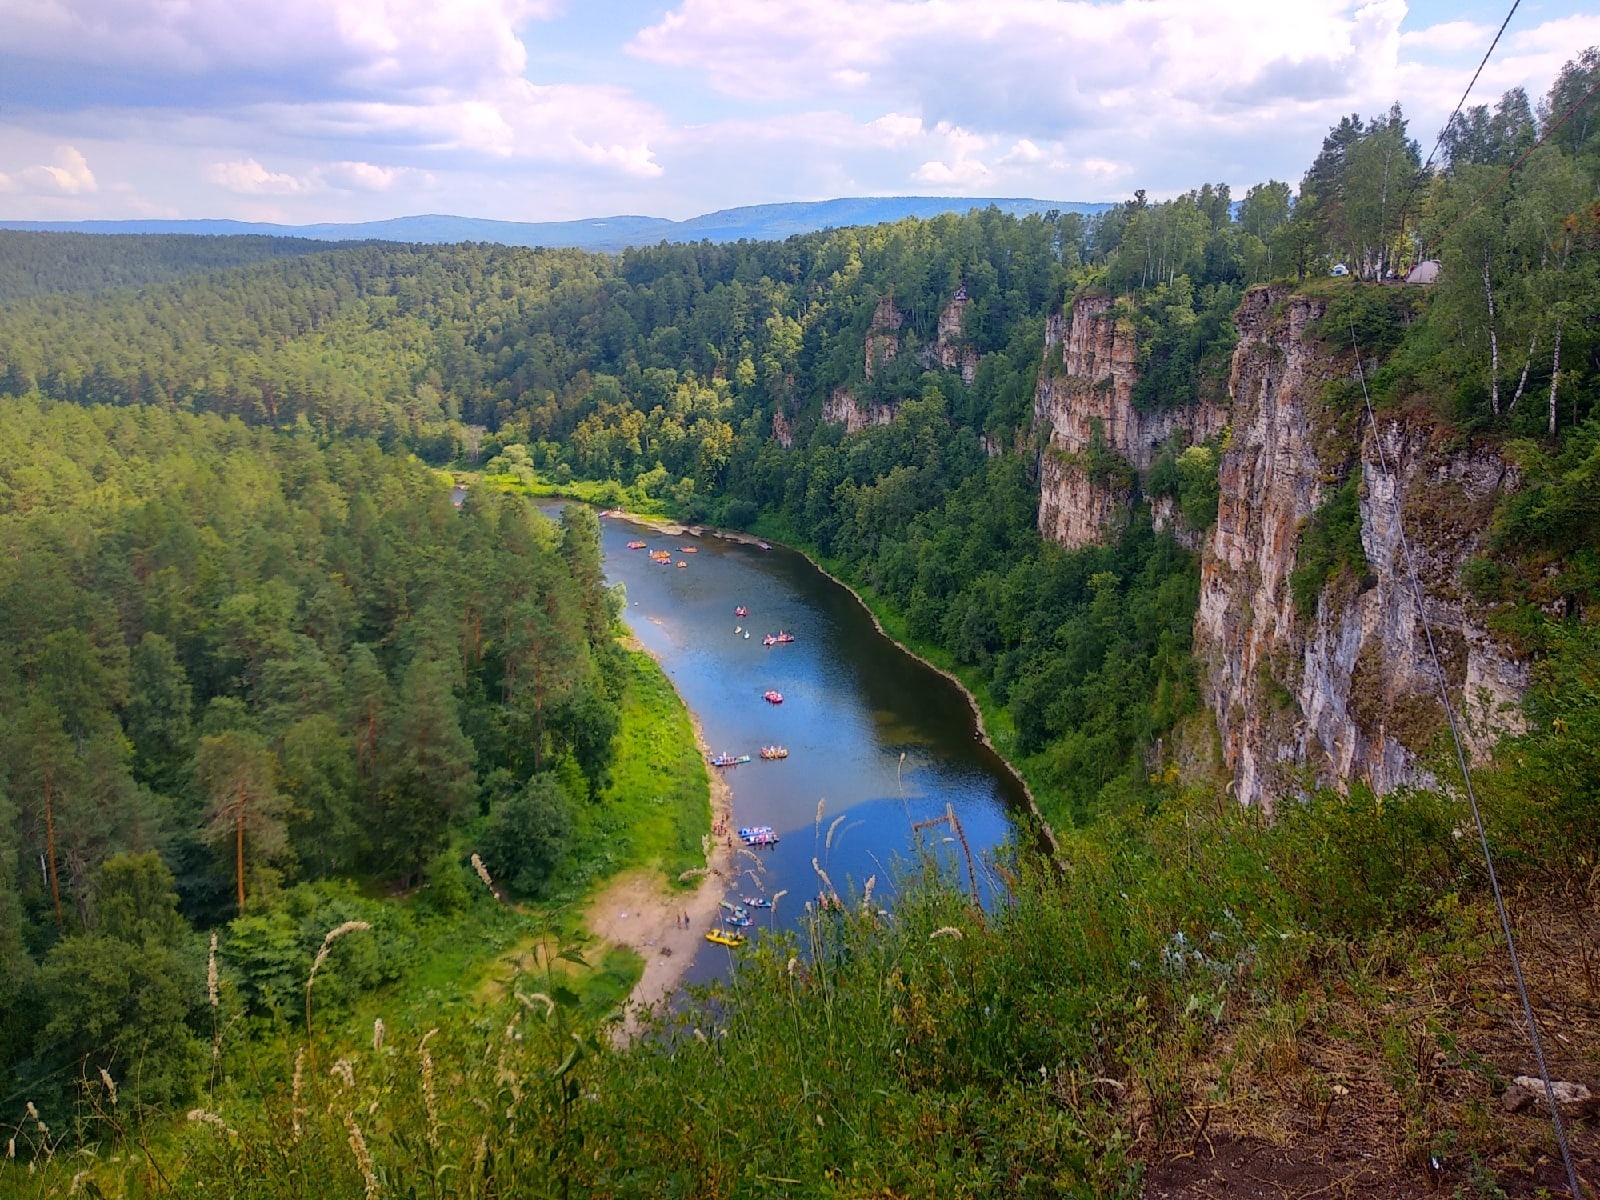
(882, 740)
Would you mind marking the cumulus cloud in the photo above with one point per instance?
(1030, 65)
(1449, 36)
(319, 47)
(428, 84)
(323, 107)
(68, 175)
(247, 177)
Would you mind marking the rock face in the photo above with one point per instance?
(782, 431)
(950, 348)
(1347, 692)
(843, 408)
(883, 335)
(1086, 404)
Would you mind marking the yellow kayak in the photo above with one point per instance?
(725, 939)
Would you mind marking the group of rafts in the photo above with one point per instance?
(771, 696)
(737, 916)
(663, 558)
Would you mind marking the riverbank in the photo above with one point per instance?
(642, 911)
(1046, 832)
(672, 528)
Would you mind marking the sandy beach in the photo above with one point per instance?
(677, 529)
(641, 910)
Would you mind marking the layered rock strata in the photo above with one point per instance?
(1346, 692)
(1084, 407)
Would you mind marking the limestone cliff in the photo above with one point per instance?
(883, 335)
(1083, 406)
(1345, 692)
(951, 350)
(844, 408)
(782, 431)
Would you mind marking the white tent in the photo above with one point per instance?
(1426, 271)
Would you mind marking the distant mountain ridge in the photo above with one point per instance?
(759, 222)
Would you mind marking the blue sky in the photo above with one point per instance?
(326, 110)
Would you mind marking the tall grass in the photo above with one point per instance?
(1042, 1047)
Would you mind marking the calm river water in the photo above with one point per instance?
(882, 740)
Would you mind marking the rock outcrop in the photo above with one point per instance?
(883, 335)
(1346, 692)
(1085, 408)
(843, 408)
(951, 350)
(782, 431)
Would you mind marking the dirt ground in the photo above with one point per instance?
(639, 909)
(1402, 1097)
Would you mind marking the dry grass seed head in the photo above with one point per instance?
(823, 875)
(294, 1095)
(334, 935)
(429, 1098)
(482, 872)
(358, 1146)
(345, 1071)
(527, 1001)
(111, 1085)
(211, 973)
(211, 1119)
(837, 821)
(945, 931)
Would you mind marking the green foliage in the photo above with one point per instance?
(33, 264)
(213, 634)
(120, 997)
(1189, 475)
(1330, 547)
(528, 836)
(1375, 319)
(267, 956)
(1185, 344)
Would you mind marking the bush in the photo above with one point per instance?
(1329, 543)
(528, 836)
(739, 514)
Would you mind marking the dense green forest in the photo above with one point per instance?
(33, 264)
(273, 663)
(255, 670)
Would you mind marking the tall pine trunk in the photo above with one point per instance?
(238, 832)
(50, 847)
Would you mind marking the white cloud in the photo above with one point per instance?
(962, 173)
(319, 46)
(896, 128)
(247, 177)
(1024, 151)
(1449, 36)
(361, 176)
(69, 175)
(339, 109)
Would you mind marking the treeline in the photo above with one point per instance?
(252, 662)
(36, 264)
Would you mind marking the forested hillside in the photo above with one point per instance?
(34, 264)
(245, 630)
(271, 662)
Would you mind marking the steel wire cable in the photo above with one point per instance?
(1466, 775)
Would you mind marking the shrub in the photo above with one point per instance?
(528, 835)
